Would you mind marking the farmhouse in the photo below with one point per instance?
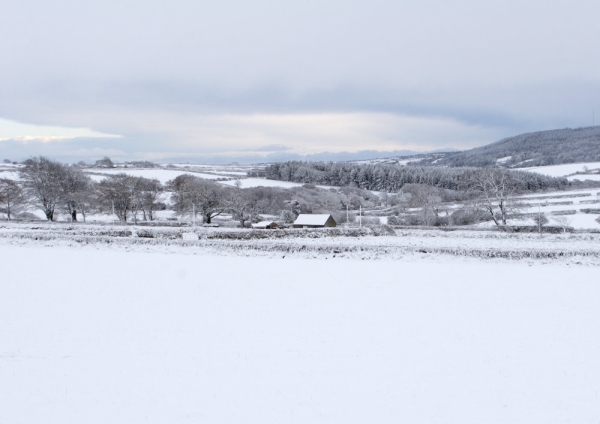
(314, 221)
(265, 225)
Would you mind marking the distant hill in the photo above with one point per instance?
(533, 149)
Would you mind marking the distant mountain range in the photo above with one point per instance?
(532, 149)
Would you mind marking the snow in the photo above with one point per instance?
(163, 175)
(263, 224)
(504, 159)
(10, 175)
(581, 221)
(558, 194)
(218, 169)
(562, 170)
(311, 219)
(97, 178)
(583, 177)
(549, 204)
(263, 182)
(94, 335)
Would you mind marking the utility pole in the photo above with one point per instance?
(540, 218)
(347, 216)
(360, 216)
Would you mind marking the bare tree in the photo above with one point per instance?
(565, 222)
(241, 206)
(42, 181)
(287, 216)
(497, 191)
(105, 162)
(76, 191)
(11, 196)
(208, 197)
(181, 188)
(118, 193)
(426, 197)
(540, 220)
(197, 195)
(149, 192)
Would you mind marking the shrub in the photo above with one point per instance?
(393, 220)
(467, 216)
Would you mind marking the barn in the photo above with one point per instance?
(265, 225)
(314, 221)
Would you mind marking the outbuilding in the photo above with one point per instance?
(305, 220)
(264, 225)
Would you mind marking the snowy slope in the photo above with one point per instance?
(562, 170)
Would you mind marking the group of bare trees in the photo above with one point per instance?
(53, 188)
(128, 196)
(492, 194)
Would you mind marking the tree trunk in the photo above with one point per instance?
(491, 211)
(503, 212)
(208, 216)
(74, 215)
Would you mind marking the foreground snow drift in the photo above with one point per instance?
(100, 336)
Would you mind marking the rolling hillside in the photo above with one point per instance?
(533, 149)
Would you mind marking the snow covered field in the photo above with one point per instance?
(554, 203)
(263, 182)
(99, 335)
(564, 169)
(163, 175)
(583, 177)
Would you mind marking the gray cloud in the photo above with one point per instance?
(183, 78)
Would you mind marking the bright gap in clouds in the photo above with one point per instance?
(245, 137)
(10, 130)
(310, 133)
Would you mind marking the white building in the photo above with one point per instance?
(314, 221)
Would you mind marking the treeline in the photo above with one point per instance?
(391, 178)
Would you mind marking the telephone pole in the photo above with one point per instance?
(360, 216)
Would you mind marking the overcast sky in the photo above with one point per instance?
(223, 80)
